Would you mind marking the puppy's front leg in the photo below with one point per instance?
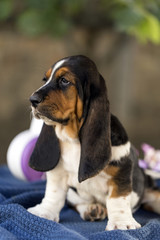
(118, 201)
(55, 195)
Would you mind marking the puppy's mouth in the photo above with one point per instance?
(39, 115)
(47, 118)
(36, 113)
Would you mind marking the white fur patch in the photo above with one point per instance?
(70, 154)
(55, 194)
(74, 198)
(134, 199)
(119, 214)
(57, 65)
(120, 151)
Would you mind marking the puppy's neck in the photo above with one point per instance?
(69, 132)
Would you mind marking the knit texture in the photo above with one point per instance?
(16, 223)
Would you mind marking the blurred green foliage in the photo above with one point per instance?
(140, 18)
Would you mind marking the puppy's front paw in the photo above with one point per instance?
(122, 224)
(41, 211)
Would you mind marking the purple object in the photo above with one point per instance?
(157, 167)
(146, 147)
(30, 174)
(142, 164)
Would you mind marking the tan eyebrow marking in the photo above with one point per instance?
(48, 73)
(68, 74)
(61, 71)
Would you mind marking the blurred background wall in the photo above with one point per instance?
(121, 36)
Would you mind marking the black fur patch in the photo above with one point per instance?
(46, 153)
(118, 133)
(95, 132)
(123, 178)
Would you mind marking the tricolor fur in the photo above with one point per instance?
(85, 150)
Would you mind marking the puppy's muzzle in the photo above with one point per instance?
(35, 99)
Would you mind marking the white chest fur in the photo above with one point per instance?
(70, 155)
(70, 158)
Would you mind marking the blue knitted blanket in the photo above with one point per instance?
(16, 223)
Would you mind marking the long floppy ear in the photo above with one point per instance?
(95, 132)
(46, 153)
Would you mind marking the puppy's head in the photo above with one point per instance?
(73, 90)
(58, 98)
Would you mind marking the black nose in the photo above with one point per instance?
(35, 99)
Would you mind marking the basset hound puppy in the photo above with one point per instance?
(85, 150)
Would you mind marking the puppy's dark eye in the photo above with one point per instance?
(64, 82)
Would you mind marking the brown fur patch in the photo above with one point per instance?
(72, 128)
(74, 124)
(114, 193)
(61, 71)
(116, 189)
(65, 102)
(48, 73)
(79, 108)
(111, 170)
